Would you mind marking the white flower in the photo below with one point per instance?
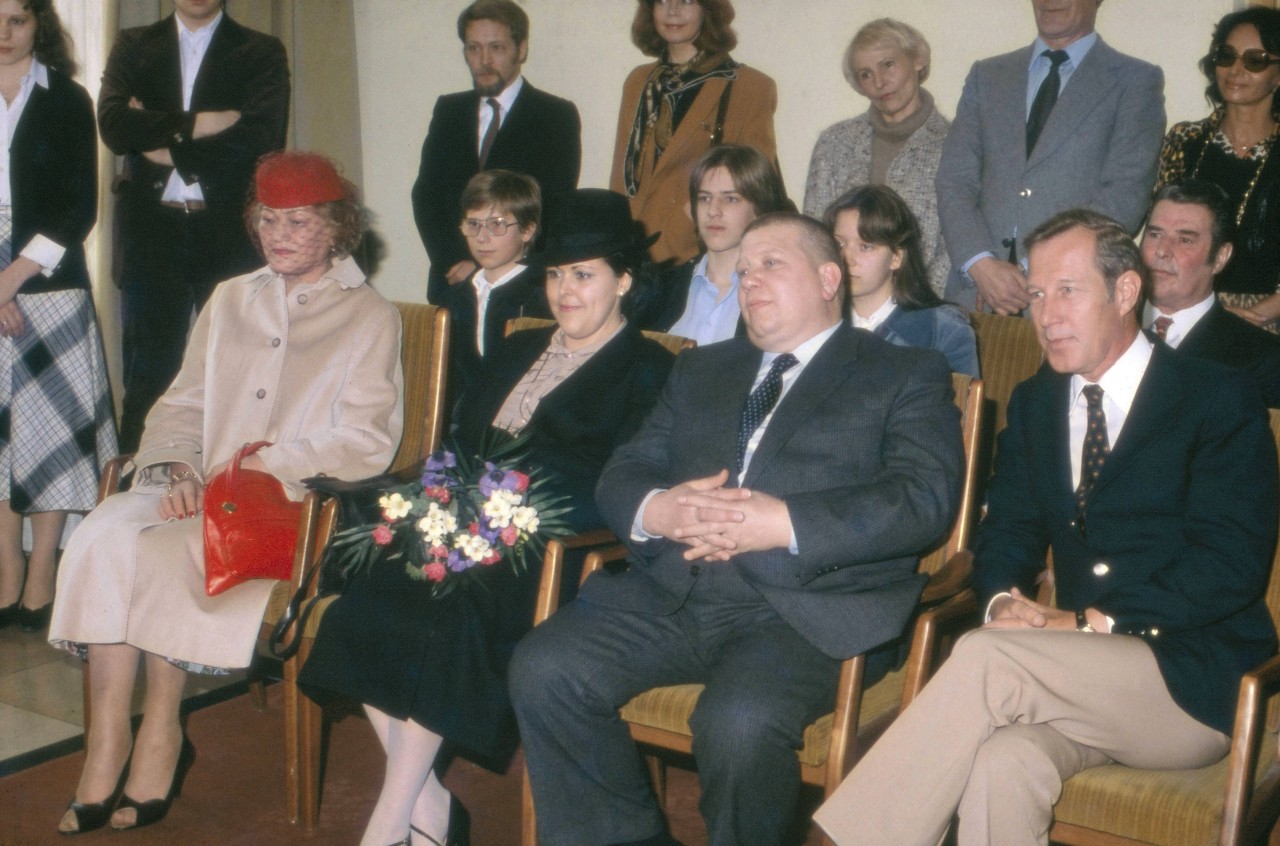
(394, 506)
(436, 525)
(473, 546)
(525, 519)
(499, 508)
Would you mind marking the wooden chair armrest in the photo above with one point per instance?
(951, 578)
(600, 557)
(933, 624)
(548, 599)
(109, 483)
(1257, 686)
(591, 537)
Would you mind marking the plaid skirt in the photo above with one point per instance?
(57, 423)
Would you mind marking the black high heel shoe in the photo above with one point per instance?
(91, 816)
(35, 619)
(154, 810)
(459, 831)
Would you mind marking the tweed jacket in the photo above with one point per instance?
(660, 202)
(1098, 149)
(316, 372)
(1179, 529)
(53, 177)
(864, 449)
(842, 160)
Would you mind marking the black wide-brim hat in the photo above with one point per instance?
(591, 223)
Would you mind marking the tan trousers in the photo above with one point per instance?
(1009, 717)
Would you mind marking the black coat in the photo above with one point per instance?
(541, 136)
(53, 176)
(1227, 339)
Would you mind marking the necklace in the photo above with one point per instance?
(1260, 163)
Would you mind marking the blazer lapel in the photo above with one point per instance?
(1084, 91)
(1009, 96)
(1158, 393)
(824, 375)
(211, 73)
(696, 122)
(514, 126)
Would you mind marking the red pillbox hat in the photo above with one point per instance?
(291, 179)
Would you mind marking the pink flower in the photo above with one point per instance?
(491, 558)
(435, 571)
(509, 535)
(473, 528)
(441, 552)
(440, 494)
(382, 535)
(522, 481)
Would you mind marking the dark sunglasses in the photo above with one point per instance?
(1255, 60)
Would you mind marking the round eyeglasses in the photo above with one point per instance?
(497, 226)
(1255, 60)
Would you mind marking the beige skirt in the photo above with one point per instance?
(129, 577)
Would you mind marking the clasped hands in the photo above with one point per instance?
(718, 522)
(1017, 611)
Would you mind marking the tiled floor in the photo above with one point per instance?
(41, 705)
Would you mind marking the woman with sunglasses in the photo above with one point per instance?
(1235, 147)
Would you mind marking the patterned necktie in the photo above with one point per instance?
(492, 132)
(1161, 326)
(1096, 446)
(1042, 105)
(761, 402)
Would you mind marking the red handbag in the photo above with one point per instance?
(250, 526)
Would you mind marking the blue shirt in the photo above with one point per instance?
(1038, 70)
(707, 319)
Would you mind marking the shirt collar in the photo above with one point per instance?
(38, 73)
(1185, 318)
(481, 280)
(806, 351)
(700, 277)
(345, 273)
(204, 33)
(1076, 50)
(876, 317)
(557, 346)
(1121, 380)
(507, 98)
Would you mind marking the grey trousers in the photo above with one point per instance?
(764, 684)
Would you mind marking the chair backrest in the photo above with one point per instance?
(969, 396)
(674, 343)
(1008, 353)
(424, 355)
(1273, 586)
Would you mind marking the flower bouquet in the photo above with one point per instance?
(464, 515)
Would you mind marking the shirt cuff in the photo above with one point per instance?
(638, 534)
(987, 617)
(44, 252)
(971, 262)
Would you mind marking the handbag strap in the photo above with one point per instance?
(233, 468)
(295, 610)
(717, 135)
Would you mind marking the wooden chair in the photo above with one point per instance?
(1008, 353)
(1231, 803)
(424, 347)
(659, 718)
(674, 343)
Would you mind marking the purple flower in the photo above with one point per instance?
(434, 473)
(495, 479)
(489, 533)
(459, 562)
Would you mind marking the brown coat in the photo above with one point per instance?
(660, 203)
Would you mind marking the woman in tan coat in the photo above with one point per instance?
(675, 109)
(300, 353)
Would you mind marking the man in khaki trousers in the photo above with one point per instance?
(1152, 476)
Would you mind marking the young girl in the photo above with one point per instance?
(730, 186)
(888, 285)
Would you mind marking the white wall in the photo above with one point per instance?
(409, 54)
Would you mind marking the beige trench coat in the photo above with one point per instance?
(317, 373)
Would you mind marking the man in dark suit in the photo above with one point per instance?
(191, 102)
(1186, 243)
(1065, 122)
(776, 500)
(1152, 477)
(503, 122)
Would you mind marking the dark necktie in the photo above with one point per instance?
(761, 402)
(492, 132)
(1161, 326)
(1096, 446)
(1042, 105)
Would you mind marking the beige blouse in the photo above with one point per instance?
(552, 367)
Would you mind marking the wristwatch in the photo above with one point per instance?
(1082, 622)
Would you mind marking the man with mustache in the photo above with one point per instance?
(503, 122)
(1151, 476)
(1186, 243)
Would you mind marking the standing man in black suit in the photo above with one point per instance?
(191, 102)
(503, 122)
(1152, 477)
(1187, 242)
(776, 500)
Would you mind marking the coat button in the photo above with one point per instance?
(1024, 193)
(261, 393)
(1155, 632)
(275, 342)
(695, 570)
(302, 299)
(1101, 569)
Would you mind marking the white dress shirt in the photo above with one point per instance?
(1183, 321)
(506, 99)
(192, 46)
(483, 289)
(1119, 386)
(873, 320)
(41, 249)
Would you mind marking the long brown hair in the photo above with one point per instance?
(716, 36)
(53, 44)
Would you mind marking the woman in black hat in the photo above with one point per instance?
(430, 671)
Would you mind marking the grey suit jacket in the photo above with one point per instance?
(1099, 149)
(865, 451)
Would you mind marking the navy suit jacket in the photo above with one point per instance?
(540, 136)
(864, 449)
(576, 426)
(1227, 339)
(242, 70)
(1179, 529)
(53, 176)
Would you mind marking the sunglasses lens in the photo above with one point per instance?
(1256, 60)
(1224, 56)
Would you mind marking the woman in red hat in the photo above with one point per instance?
(301, 353)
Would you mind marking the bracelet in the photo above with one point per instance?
(174, 478)
(1082, 622)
